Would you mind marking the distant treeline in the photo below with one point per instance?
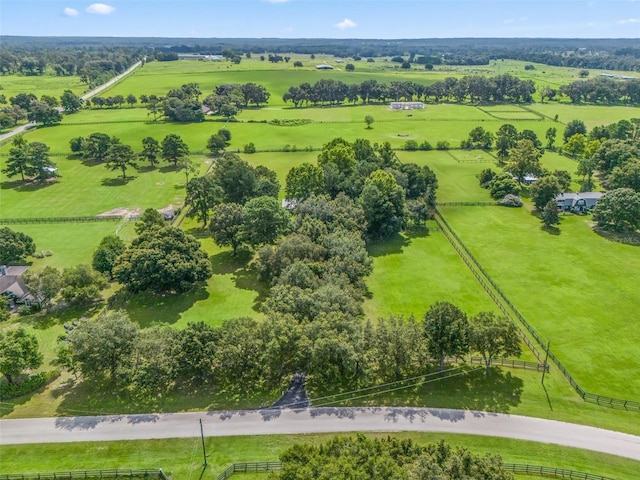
(503, 88)
(615, 54)
(603, 90)
(94, 65)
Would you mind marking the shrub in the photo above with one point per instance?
(27, 386)
(443, 145)
(425, 146)
(485, 176)
(411, 145)
(510, 200)
(249, 148)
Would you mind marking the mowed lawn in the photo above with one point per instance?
(39, 85)
(577, 289)
(451, 123)
(182, 458)
(87, 189)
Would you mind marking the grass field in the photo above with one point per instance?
(576, 288)
(40, 85)
(182, 458)
(586, 289)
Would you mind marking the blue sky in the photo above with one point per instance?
(323, 18)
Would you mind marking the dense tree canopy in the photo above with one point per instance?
(446, 328)
(162, 259)
(345, 458)
(14, 246)
(19, 351)
(618, 210)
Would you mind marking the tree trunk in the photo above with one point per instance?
(442, 364)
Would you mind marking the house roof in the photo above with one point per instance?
(11, 283)
(578, 196)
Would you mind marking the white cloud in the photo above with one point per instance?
(628, 20)
(100, 9)
(346, 23)
(70, 12)
(509, 20)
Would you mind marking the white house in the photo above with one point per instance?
(577, 202)
(406, 105)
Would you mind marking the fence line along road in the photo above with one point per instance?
(537, 470)
(88, 474)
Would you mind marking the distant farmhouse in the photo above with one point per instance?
(577, 202)
(12, 286)
(617, 77)
(406, 105)
(193, 56)
(324, 66)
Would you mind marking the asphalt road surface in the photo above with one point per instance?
(316, 420)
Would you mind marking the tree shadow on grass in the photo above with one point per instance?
(146, 168)
(23, 185)
(101, 397)
(44, 320)
(148, 309)
(417, 232)
(90, 162)
(550, 229)
(390, 246)
(167, 168)
(499, 392)
(117, 182)
(244, 277)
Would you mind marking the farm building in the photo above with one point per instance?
(324, 66)
(406, 105)
(577, 202)
(13, 287)
(190, 56)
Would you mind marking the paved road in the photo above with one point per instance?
(316, 420)
(90, 94)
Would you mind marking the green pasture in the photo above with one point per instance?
(70, 243)
(413, 271)
(435, 123)
(591, 115)
(40, 85)
(182, 458)
(87, 188)
(576, 288)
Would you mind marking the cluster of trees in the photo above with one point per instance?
(27, 106)
(613, 151)
(604, 91)
(115, 101)
(229, 98)
(618, 211)
(15, 246)
(47, 110)
(160, 259)
(31, 160)
(475, 88)
(102, 148)
(233, 181)
(94, 64)
(79, 285)
(334, 349)
(19, 351)
(362, 457)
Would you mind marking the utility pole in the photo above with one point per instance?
(204, 449)
(545, 366)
